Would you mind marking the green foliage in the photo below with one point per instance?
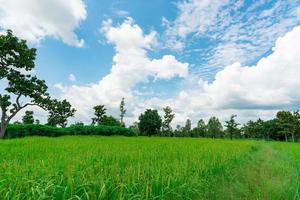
(99, 112)
(21, 130)
(110, 121)
(200, 130)
(254, 129)
(270, 130)
(59, 113)
(28, 117)
(186, 130)
(296, 120)
(78, 124)
(168, 118)
(16, 63)
(15, 52)
(232, 127)
(287, 124)
(122, 111)
(135, 128)
(37, 121)
(150, 122)
(178, 132)
(214, 128)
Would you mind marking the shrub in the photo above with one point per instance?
(22, 130)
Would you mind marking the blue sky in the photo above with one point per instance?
(57, 60)
(201, 57)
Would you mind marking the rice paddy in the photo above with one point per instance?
(95, 167)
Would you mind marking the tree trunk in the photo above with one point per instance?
(3, 123)
(285, 137)
(3, 129)
(293, 137)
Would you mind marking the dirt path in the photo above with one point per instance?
(267, 174)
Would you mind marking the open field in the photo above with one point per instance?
(93, 167)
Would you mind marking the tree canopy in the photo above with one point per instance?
(232, 127)
(28, 117)
(122, 111)
(99, 112)
(150, 122)
(214, 128)
(168, 118)
(17, 62)
(110, 121)
(59, 113)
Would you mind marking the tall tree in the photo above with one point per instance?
(178, 131)
(200, 130)
(99, 112)
(297, 123)
(16, 63)
(59, 113)
(287, 124)
(150, 122)
(271, 129)
(187, 128)
(28, 117)
(231, 127)
(122, 111)
(254, 129)
(214, 128)
(249, 129)
(168, 118)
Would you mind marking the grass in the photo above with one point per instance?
(93, 167)
(267, 174)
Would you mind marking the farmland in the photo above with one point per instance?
(98, 167)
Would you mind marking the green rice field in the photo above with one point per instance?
(94, 167)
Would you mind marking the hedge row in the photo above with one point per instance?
(21, 130)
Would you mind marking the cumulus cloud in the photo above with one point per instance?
(131, 66)
(34, 20)
(249, 91)
(272, 82)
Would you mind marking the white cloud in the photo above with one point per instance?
(194, 16)
(131, 65)
(237, 31)
(34, 20)
(121, 13)
(248, 91)
(273, 81)
(251, 92)
(72, 78)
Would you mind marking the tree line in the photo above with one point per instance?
(17, 62)
(284, 127)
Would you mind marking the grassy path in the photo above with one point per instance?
(268, 173)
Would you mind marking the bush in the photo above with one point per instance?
(22, 130)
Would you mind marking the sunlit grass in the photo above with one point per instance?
(117, 167)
